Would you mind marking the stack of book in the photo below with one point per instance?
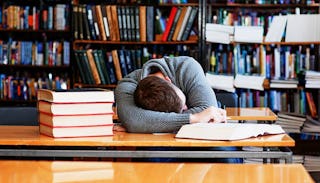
(75, 112)
(291, 122)
(311, 126)
(312, 79)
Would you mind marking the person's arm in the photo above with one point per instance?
(139, 120)
(192, 81)
(211, 114)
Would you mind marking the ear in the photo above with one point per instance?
(167, 79)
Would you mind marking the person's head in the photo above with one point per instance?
(158, 94)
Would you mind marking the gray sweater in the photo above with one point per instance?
(184, 72)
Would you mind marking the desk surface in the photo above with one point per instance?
(255, 113)
(29, 135)
(123, 172)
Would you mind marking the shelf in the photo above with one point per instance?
(239, 5)
(81, 85)
(31, 67)
(192, 40)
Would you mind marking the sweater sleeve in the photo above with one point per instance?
(191, 79)
(138, 120)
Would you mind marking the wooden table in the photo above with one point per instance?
(255, 113)
(26, 141)
(134, 172)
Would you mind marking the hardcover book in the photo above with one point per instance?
(76, 95)
(84, 108)
(74, 120)
(227, 131)
(83, 131)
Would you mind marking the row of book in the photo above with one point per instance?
(290, 28)
(266, 1)
(113, 22)
(25, 88)
(245, 17)
(179, 23)
(34, 18)
(51, 53)
(96, 66)
(75, 112)
(273, 62)
(132, 23)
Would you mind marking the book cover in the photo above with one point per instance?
(115, 22)
(93, 67)
(95, 22)
(76, 95)
(87, 68)
(75, 22)
(100, 22)
(227, 131)
(311, 105)
(150, 23)
(86, 30)
(190, 23)
(74, 120)
(109, 65)
(137, 23)
(179, 23)
(105, 21)
(174, 24)
(96, 58)
(122, 61)
(116, 63)
(169, 23)
(100, 62)
(113, 33)
(142, 22)
(90, 22)
(84, 131)
(80, 67)
(184, 22)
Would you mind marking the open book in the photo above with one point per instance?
(227, 131)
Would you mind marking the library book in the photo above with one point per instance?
(227, 131)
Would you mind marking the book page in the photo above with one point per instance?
(226, 131)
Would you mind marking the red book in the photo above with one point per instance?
(169, 23)
(311, 104)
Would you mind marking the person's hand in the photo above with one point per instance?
(119, 128)
(211, 114)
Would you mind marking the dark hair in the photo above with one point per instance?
(154, 93)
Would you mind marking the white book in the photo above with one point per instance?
(221, 82)
(220, 28)
(227, 131)
(218, 37)
(303, 28)
(276, 29)
(248, 34)
(249, 82)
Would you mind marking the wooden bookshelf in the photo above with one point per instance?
(128, 36)
(34, 54)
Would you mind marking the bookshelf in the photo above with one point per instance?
(34, 49)
(131, 35)
(262, 58)
(266, 58)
